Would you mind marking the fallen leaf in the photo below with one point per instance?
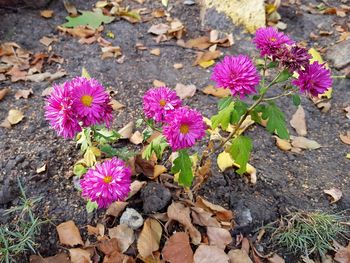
(345, 138)
(124, 235)
(3, 92)
(304, 143)
(109, 246)
(283, 144)
(221, 213)
(217, 92)
(23, 93)
(135, 187)
(47, 92)
(343, 254)
(126, 131)
(98, 230)
(159, 12)
(347, 112)
(46, 13)
(177, 249)
(334, 193)
(88, 18)
(78, 255)
(206, 57)
(71, 9)
(41, 169)
(149, 237)
(116, 105)
(298, 121)
(159, 29)
(15, 116)
(47, 41)
(46, 76)
(158, 83)
(239, 256)
(210, 254)
(199, 42)
(69, 234)
(58, 258)
(178, 66)
(5, 124)
(136, 138)
(116, 208)
(110, 52)
(80, 31)
(185, 91)
(181, 213)
(155, 51)
(144, 166)
(203, 218)
(158, 170)
(219, 237)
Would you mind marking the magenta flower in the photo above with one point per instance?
(236, 73)
(91, 101)
(159, 102)
(314, 79)
(294, 58)
(268, 40)
(59, 111)
(184, 126)
(107, 182)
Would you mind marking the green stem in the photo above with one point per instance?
(280, 96)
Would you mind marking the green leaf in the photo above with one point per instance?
(146, 133)
(85, 73)
(84, 139)
(272, 64)
(91, 206)
(296, 99)
(103, 135)
(240, 152)
(183, 166)
(283, 76)
(138, 123)
(157, 146)
(275, 121)
(223, 117)
(122, 153)
(165, 2)
(224, 102)
(79, 170)
(88, 18)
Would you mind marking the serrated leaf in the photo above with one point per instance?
(240, 152)
(223, 117)
(276, 122)
(85, 73)
(183, 166)
(283, 76)
(88, 18)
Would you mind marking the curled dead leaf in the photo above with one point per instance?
(126, 131)
(220, 213)
(217, 92)
(23, 93)
(47, 13)
(69, 234)
(304, 143)
(345, 138)
(116, 208)
(135, 187)
(283, 144)
(203, 218)
(3, 92)
(136, 138)
(177, 249)
(298, 121)
(219, 237)
(334, 193)
(124, 235)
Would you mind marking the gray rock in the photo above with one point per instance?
(244, 217)
(339, 54)
(155, 197)
(132, 218)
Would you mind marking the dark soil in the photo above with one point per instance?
(285, 180)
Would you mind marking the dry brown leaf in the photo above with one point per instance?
(69, 234)
(78, 255)
(41, 169)
(47, 41)
(149, 237)
(116, 208)
(239, 256)
(203, 218)
(46, 76)
(159, 29)
(181, 213)
(136, 138)
(177, 249)
(23, 93)
(71, 9)
(200, 43)
(46, 13)
(155, 51)
(334, 193)
(159, 12)
(135, 187)
(5, 124)
(178, 66)
(185, 91)
(126, 131)
(210, 254)
(15, 116)
(345, 138)
(116, 105)
(111, 52)
(98, 230)
(3, 92)
(108, 246)
(47, 92)
(143, 166)
(206, 56)
(219, 237)
(275, 259)
(124, 235)
(217, 92)
(304, 143)
(79, 31)
(158, 83)
(343, 255)
(58, 258)
(283, 144)
(347, 112)
(298, 121)
(221, 213)
(158, 170)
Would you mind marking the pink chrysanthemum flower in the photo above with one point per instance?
(107, 182)
(236, 73)
(268, 40)
(158, 102)
(294, 58)
(314, 79)
(59, 111)
(184, 127)
(91, 101)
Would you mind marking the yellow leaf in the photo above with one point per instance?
(158, 170)
(348, 156)
(89, 157)
(270, 8)
(85, 73)
(224, 161)
(15, 116)
(206, 64)
(96, 151)
(149, 238)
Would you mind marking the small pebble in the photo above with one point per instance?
(132, 218)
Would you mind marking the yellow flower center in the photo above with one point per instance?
(184, 128)
(273, 39)
(107, 179)
(162, 102)
(86, 100)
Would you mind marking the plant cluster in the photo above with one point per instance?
(81, 107)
